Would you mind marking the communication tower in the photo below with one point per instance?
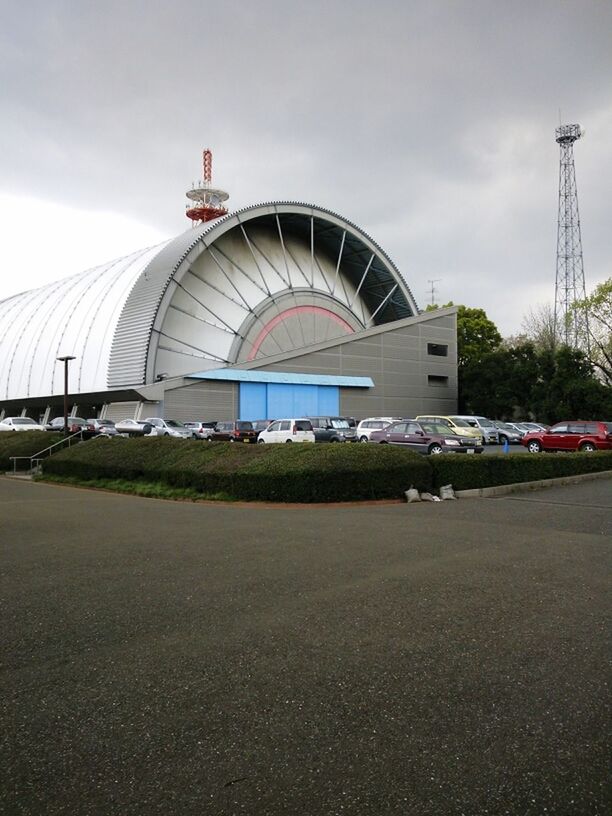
(208, 200)
(570, 326)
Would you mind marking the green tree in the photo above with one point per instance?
(477, 336)
(500, 385)
(567, 388)
(598, 307)
(539, 326)
(524, 381)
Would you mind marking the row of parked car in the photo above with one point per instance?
(430, 434)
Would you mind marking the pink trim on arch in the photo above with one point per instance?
(290, 313)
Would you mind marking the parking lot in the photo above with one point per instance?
(179, 658)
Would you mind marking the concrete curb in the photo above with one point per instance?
(518, 487)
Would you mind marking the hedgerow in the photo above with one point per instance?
(469, 472)
(292, 473)
(300, 472)
(23, 443)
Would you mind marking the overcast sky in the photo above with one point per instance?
(429, 124)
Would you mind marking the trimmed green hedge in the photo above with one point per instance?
(302, 473)
(23, 443)
(290, 473)
(468, 472)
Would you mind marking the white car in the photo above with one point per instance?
(287, 430)
(366, 426)
(203, 430)
(20, 424)
(170, 427)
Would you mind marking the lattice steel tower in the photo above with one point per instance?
(570, 327)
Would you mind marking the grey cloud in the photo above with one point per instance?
(375, 110)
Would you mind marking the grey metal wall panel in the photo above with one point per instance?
(117, 411)
(397, 361)
(203, 401)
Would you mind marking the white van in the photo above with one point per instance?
(287, 430)
(366, 426)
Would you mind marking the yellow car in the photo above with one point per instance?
(459, 426)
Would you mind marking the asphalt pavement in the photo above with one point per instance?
(177, 658)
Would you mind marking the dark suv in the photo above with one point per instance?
(570, 436)
(233, 431)
(332, 429)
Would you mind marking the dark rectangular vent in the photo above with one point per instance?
(436, 379)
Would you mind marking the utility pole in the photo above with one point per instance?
(65, 360)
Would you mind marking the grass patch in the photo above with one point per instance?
(152, 490)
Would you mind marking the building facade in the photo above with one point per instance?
(274, 307)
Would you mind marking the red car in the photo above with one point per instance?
(234, 431)
(570, 436)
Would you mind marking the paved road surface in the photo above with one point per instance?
(169, 658)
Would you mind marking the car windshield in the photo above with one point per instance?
(486, 423)
(23, 421)
(244, 426)
(461, 423)
(339, 423)
(504, 426)
(172, 423)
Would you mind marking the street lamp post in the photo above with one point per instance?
(65, 360)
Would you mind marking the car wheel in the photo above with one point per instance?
(534, 446)
(503, 440)
(232, 439)
(588, 447)
(261, 442)
(288, 441)
(166, 434)
(363, 439)
(435, 450)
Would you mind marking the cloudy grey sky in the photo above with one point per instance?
(429, 124)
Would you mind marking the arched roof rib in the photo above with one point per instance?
(77, 316)
(137, 335)
(111, 317)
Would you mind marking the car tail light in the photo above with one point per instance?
(236, 433)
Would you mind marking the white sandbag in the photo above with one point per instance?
(412, 495)
(447, 492)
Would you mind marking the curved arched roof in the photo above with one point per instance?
(201, 300)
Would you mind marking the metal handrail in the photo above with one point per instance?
(38, 457)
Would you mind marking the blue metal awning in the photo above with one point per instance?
(241, 375)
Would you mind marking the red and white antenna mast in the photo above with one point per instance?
(208, 200)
